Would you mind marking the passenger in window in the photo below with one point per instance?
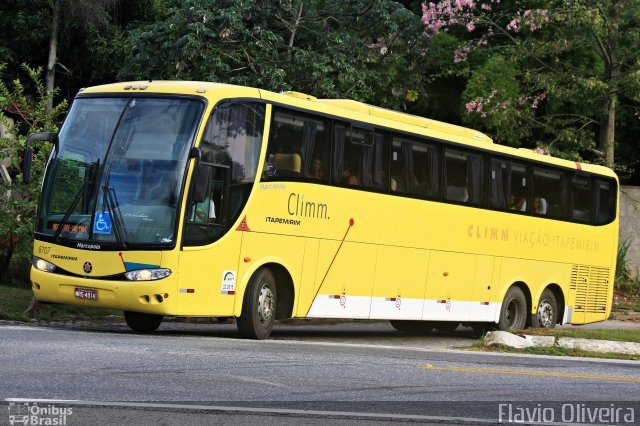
(517, 203)
(271, 166)
(539, 205)
(202, 215)
(348, 177)
(316, 171)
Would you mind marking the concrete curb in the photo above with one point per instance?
(592, 345)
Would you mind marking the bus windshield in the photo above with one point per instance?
(117, 173)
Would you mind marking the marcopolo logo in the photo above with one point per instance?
(33, 414)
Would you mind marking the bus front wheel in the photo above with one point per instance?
(259, 306)
(547, 313)
(513, 314)
(144, 323)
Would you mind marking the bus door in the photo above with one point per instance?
(209, 257)
(450, 283)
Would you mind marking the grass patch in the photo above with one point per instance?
(616, 335)
(14, 301)
(555, 351)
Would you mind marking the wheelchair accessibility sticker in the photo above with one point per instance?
(102, 223)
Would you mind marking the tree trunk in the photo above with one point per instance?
(294, 29)
(607, 139)
(5, 259)
(53, 53)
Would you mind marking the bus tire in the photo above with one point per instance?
(513, 314)
(546, 315)
(259, 306)
(412, 326)
(144, 323)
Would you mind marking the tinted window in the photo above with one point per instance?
(415, 167)
(464, 177)
(509, 185)
(298, 147)
(230, 151)
(605, 200)
(359, 157)
(581, 198)
(550, 187)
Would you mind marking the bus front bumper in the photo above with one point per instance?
(153, 297)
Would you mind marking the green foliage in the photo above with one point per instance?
(14, 301)
(19, 209)
(24, 29)
(499, 113)
(374, 51)
(568, 61)
(624, 280)
(364, 50)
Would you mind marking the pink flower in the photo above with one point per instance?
(514, 25)
(471, 106)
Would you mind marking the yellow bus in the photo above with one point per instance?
(201, 199)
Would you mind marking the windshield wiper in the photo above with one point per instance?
(74, 203)
(108, 200)
(67, 214)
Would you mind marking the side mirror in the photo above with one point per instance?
(201, 183)
(28, 153)
(26, 165)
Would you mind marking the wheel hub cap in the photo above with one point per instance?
(545, 314)
(265, 305)
(512, 312)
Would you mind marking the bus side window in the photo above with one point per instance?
(230, 150)
(364, 159)
(509, 185)
(464, 177)
(415, 167)
(298, 147)
(605, 201)
(552, 185)
(581, 198)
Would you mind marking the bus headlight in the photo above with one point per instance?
(42, 265)
(147, 274)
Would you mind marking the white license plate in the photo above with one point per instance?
(86, 293)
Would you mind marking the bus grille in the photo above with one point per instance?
(591, 287)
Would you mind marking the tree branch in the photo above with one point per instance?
(294, 29)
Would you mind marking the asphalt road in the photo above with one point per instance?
(345, 374)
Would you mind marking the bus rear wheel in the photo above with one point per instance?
(513, 314)
(145, 323)
(547, 314)
(259, 306)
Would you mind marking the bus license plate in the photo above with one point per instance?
(86, 293)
